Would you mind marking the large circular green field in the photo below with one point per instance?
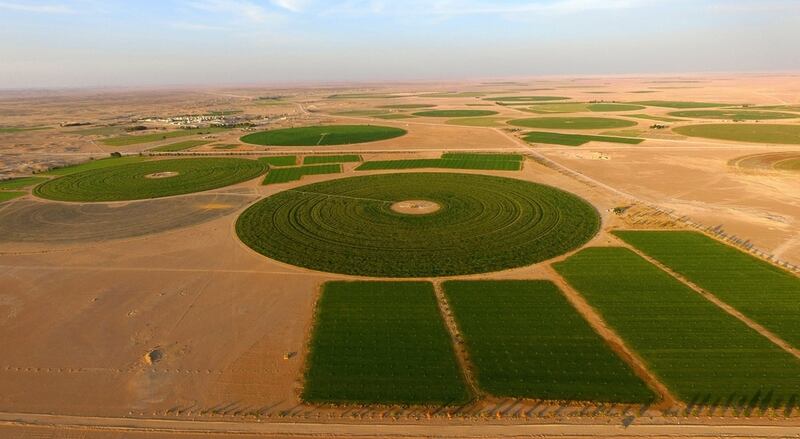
(455, 113)
(418, 224)
(744, 132)
(734, 114)
(323, 135)
(151, 179)
(573, 123)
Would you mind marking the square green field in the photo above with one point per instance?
(761, 291)
(283, 175)
(381, 343)
(527, 341)
(320, 159)
(702, 354)
(443, 163)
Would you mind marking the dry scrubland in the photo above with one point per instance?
(240, 276)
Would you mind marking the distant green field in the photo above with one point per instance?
(180, 146)
(543, 348)
(608, 107)
(323, 135)
(744, 132)
(360, 113)
(407, 106)
(96, 164)
(112, 130)
(20, 183)
(701, 353)
(734, 114)
(679, 104)
(319, 159)
(483, 156)
(526, 98)
(794, 108)
(280, 160)
(477, 121)
(128, 140)
(789, 165)
(455, 113)
(393, 116)
(759, 290)
(574, 123)
(10, 195)
(364, 96)
(284, 175)
(558, 108)
(381, 343)
(575, 139)
(486, 164)
(463, 94)
(656, 118)
(9, 130)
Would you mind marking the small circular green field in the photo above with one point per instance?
(466, 223)
(455, 113)
(151, 179)
(323, 135)
(734, 114)
(573, 123)
(744, 132)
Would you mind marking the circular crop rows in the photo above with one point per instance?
(573, 123)
(151, 179)
(482, 224)
(323, 135)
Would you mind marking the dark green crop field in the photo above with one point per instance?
(744, 132)
(96, 164)
(575, 139)
(467, 163)
(142, 180)
(180, 146)
(574, 123)
(323, 135)
(10, 195)
(455, 113)
(484, 224)
(679, 104)
(283, 175)
(483, 156)
(279, 160)
(704, 355)
(381, 343)
(734, 114)
(610, 107)
(759, 290)
(320, 159)
(526, 98)
(20, 183)
(128, 140)
(543, 348)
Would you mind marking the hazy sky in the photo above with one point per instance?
(169, 42)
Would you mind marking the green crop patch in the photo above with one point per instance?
(443, 163)
(96, 164)
(355, 225)
(381, 343)
(407, 106)
(526, 98)
(700, 352)
(279, 160)
(150, 179)
(543, 349)
(463, 94)
(744, 132)
(323, 135)
(359, 113)
(573, 123)
(10, 195)
(284, 175)
(611, 107)
(734, 114)
(575, 139)
(656, 118)
(181, 146)
(364, 96)
(759, 290)
(11, 130)
(455, 113)
(320, 159)
(393, 116)
(128, 140)
(679, 104)
(20, 183)
(483, 156)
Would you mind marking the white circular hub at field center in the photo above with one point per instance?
(161, 175)
(415, 207)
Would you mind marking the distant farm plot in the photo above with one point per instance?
(320, 159)
(407, 106)
(381, 343)
(455, 113)
(323, 135)
(574, 123)
(11, 130)
(774, 161)
(741, 132)
(526, 98)
(284, 175)
(20, 183)
(150, 179)
(279, 160)
(462, 94)
(359, 113)
(484, 224)
(483, 156)
(96, 164)
(442, 163)
(543, 349)
(734, 114)
(128, 140)
(759, 290)
(575, 139)
(652, 117)
(181, 146)
(700, 352)
(477, 121)
(679, 104)
(393, 116)
(10, 195)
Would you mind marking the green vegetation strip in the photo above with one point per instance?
(470, 163)
(734, 114)
(284, 175)
(128, 140)
(741, 132)
(9, 195)
(151, 179)
(575, 139)
(323, 135)
(483, 156)
(759, 290)
(526, 98)
(574, 123)
(484, 224)
(704, 355)
(455, 113)
(20, 183)
(656, 118)
(319, 159)
(679, 104)
(381, 343)
(96, 164)
(279, 160)
(407, 106)
(463, 94)
(543, 349)
(10, 130)
(180, 146)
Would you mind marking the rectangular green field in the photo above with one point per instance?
(574, 139)
(701, 353)
(320, 159)
(381, 343)
(9, 195)
(759, 290)
(20, 183)
(527, 341)
(96, 164)
(283, 175)
(482, 156)
(9, 130)
(180, 146)
(494, 165)
(280, 160)
(128, 140)
(655, 118)
(679, 104)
